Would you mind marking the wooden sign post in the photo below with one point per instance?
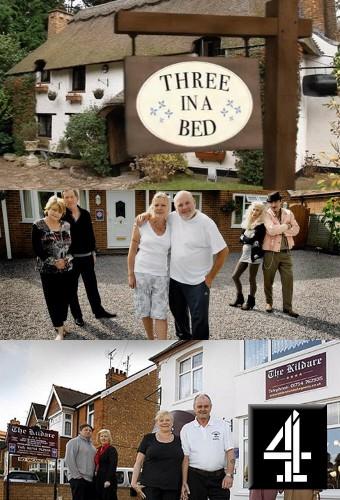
(281, 29)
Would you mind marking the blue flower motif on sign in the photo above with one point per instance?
(230, 103)
(224, 112)
(168, 113)
(153, 111)
(161, 104)
(237, 109)
(231, 118)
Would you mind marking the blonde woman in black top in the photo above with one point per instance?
(51, 240)
(160, 455)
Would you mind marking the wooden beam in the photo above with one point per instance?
(281, 98)
(157, 23)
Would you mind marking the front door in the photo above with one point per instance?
(121, 214)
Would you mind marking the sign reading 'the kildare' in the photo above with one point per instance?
(184, 104)
(298, 376)
(32, 441)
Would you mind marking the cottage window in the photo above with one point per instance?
(243, 201)
(45, 76)
(79, 78)
(33, 203)
(67, 424)
(258, 352)
(190, 375)
(90, 414)
(45, 125)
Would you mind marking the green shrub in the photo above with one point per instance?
(331, 219)
(85, 136)
(249, 163)
(159, 167)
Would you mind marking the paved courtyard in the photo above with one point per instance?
(23, 314)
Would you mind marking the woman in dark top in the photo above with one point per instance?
(51, 240)
(161, 455)
(252, 239)
(106, 460)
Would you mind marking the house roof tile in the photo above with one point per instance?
(39, 410)
(70, 397)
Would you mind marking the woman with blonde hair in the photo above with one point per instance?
(252, 237)
(105, 460)
(148, 270)
(160, 455)
(51, 240)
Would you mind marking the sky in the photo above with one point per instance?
(29, 368)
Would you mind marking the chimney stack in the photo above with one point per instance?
(14, 421)
(58, 19)
(114, 376)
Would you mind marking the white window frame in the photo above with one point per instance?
(90, 414)
(70, 421)
(269, 350)
(35, 203)
(181, 360)
(243, 439)
(247, 200)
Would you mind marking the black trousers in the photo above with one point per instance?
(84, 267)
(203, 487)
(56, 288)
(81, 489)
(194, 299)
(160, 494)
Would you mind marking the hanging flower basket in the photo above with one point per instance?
(229, 207)
(41, 88)
(52, 95)
(98, 93)
(74, 97)
(210, 155)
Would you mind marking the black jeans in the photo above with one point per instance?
(160, 494)
(84, 267)
(194, 298)
(56, 287)
(82, 489)
(204, 487)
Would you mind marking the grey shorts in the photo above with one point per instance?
(151, 296)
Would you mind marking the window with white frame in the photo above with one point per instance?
(243, 201)
(244, 448)
(33, 203)
(190, 371)
(258, 352)
(68, 424)
(90, 414)
(333, 445)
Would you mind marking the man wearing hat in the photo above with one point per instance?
(281, 226)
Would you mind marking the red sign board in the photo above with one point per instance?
(32, 441)
(297, 376)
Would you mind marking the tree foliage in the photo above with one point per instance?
(331, 219)
(249, 163)
(85, 136)
(26, 20)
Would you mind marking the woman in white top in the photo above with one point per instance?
(148, 269)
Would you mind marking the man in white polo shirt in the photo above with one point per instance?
(209, 461)
(195, 240)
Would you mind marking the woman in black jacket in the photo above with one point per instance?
(252, 239)
(106, 465)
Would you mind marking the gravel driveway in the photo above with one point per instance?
(316, 298)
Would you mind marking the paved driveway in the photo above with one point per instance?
(316, 297)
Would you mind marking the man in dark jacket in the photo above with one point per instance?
(83, 249)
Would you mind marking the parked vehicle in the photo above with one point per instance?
(22, 476)
(124, 476)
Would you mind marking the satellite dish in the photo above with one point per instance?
(319, 85)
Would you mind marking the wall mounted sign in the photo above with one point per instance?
(32, 441)
(99, 214)
(176, 104)
(297, 376)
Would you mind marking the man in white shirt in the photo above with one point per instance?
(209, 461)
(195, 240)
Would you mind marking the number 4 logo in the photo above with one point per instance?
(292, 454)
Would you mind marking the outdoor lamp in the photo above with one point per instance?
(98, 199)
(105, 68)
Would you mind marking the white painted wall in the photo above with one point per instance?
(61, 82)
(231, 388)
(314, 119)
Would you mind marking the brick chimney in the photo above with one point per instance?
(331, 28)
(314, 9)
(114, 376)
(57, 21)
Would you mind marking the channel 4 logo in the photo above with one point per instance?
(287, 447)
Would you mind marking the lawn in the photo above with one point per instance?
(197, 182)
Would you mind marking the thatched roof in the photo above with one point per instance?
(90, 39)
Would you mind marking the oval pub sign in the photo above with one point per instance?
(194, 104)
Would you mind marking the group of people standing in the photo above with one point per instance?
(175, 256)
(64, 244)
